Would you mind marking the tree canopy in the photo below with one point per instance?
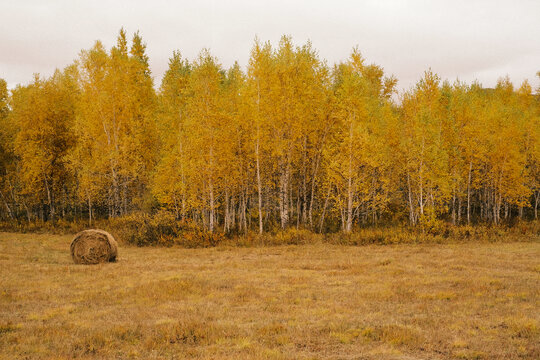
(287, 142)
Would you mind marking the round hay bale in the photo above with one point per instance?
(93, 247)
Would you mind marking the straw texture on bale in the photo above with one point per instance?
(93, 247)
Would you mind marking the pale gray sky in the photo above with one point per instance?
(482, 39)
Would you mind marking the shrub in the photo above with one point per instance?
(162, 229)
(293, 236)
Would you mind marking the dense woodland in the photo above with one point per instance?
(288, 142)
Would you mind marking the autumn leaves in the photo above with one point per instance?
(291, 141)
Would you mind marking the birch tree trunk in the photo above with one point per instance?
(348, 225)
(469, 194)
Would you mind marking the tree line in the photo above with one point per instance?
(288, 142)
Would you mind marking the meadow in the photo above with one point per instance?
(473, 300)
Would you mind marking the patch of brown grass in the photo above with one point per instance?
(455, 301)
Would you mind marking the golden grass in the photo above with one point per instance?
(461, 301)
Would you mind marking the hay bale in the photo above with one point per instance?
(93, 247)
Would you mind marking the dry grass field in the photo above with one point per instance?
(463, 301)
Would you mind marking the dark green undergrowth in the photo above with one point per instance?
(162, 229)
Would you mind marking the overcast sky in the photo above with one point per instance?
(483, 39)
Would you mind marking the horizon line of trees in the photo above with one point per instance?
(290, 142)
